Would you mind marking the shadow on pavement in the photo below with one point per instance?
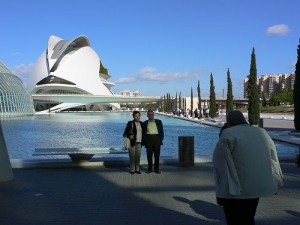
(206, 209)
(85, 196)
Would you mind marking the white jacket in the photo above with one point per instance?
(245, 163)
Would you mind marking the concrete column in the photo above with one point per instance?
(6, 173)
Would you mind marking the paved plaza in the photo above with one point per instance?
(109, 195)
(106, 194)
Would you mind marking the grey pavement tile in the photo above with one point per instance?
(111, 196)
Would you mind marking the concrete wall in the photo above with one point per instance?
(279, 124)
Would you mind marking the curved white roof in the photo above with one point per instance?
(73, 66)
(57, 47)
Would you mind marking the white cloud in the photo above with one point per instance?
(279, 29)
(22, 71)
(149, 73)
(15, 53)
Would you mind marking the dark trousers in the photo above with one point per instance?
(153, 147)
(240, 211)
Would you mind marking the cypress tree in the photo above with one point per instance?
(264, 100)
(199, 99)
(169, 102)
(297, 92)
(192, 102)
(176, 102)
(160, 104)
(179, 100)
(212, 98)
(229, 101)
(164, 104)
(253, 97)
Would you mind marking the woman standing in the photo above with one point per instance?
(246, 168)
(134, 132)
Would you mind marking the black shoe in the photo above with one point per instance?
(157, 171)
(138, 172)
(149, 171)
(132, 172)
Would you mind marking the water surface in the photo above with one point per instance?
(101, 129)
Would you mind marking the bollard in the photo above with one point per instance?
(186, 150)
(261, 122)
(6, 173)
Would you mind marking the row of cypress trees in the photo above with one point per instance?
(253, 94)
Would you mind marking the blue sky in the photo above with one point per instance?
(159, 46)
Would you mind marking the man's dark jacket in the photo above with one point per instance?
(160, 130)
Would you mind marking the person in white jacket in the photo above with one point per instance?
(246, 167)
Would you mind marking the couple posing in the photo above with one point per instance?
(150, 134)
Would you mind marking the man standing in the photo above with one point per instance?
(153, 135)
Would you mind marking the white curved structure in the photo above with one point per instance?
(69, 67)
(14, 98)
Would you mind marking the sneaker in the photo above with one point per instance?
(157, 171)
(149, 171)
(138, 172)
(131, 172)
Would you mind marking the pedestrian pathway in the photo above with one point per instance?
(111, 196)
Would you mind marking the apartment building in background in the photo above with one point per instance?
(129, 93)
(272, 83)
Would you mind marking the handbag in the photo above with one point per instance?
(127, 144)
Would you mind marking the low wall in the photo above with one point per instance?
(276, 124)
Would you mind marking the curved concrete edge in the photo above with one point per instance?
(107, 162)
(95, 162)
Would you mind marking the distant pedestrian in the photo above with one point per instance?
(153, 135)
(196, 113)
(246, 167)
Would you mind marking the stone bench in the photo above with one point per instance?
(286, 137)
(78, 154)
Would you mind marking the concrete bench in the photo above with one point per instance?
(286, 137)
(78, 154)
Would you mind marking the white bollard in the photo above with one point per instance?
(6, 173)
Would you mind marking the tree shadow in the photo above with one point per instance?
(93, 196)
(293, 213)
(208, 210)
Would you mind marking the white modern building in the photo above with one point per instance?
(70, 67)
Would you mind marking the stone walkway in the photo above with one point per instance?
(111, 196)
(106, 194)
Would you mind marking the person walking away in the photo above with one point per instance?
(196, 113)
(153, 139)
(134, 131)
(246, 167)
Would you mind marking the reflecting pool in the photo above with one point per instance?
(101, 129)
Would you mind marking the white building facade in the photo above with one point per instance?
(70, 67)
